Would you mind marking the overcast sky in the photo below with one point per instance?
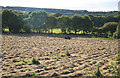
(90, 5)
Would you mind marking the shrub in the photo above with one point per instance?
(117, 33)
(35, 61)
(117, 58)
(63, 55)
(34, 74)
(110, 26)
(97, 72)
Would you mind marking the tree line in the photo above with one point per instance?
(43, 22)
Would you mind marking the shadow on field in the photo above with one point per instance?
(60, 35)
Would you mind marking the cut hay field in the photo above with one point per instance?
(85, 54)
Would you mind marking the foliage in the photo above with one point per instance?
(63, 55)
(26, 28)
(115, 69)
(36, 19)
(35, 61)
(12, 21)
(99, 21)
(63, 23)
(58, 14)
(110, 26)
(77, 23)
(117, 58)
(88, 24)
(24, 62)
(97, 72)
(117, 33)
(39, 21)
(1, 56)
(51, 22)
(34, 74)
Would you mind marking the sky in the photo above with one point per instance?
(90, 5)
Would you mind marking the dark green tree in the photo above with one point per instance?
(87, 24)
(64, 23)
(12, 21)
(51, 22)
(77, 23)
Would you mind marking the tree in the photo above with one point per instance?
(99, 21)
(37, 19)
(87, 24)
(77, 23)
(57, 14)
(12, 21)
(64, 23)
(51, 22)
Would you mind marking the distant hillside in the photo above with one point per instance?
(63, 11)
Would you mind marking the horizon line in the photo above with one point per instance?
(59, 8)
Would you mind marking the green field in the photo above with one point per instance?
(57, 31)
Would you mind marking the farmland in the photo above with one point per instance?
(50, 51)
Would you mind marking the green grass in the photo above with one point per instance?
(115, 69)
(34, 74)
(57, 31)
(6, 30)
(25, 62)
(103, 38)
(1, 56)
(101, 58)
(117, 58)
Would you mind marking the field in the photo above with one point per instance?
(51, 52)
(56, 31)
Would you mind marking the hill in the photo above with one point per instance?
(63, 11)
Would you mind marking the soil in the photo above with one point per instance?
(85, 54)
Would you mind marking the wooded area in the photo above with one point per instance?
(43, 22)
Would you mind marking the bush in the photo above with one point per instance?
(110, 26)
(97, 72)
(35, 61)
(117, 33)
